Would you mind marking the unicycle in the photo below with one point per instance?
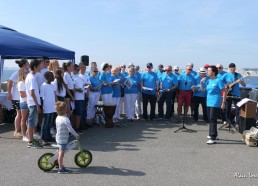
(82, 159)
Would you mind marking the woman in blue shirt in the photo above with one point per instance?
(131, 93)
(116, 92)
(106, 89)
(214, 87)
(94, 94)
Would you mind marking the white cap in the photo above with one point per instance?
(176, 67)
(202, 70)
(103, 65)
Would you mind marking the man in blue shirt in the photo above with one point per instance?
(199, 96)
(160, 71)
(149, 84)
(185, 83)
(167, 83)
(232, 95)
(221, 72)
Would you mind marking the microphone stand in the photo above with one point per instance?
(183, 128)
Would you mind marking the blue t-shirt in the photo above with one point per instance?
(168, 81)
(124, 74)
(149, 80)
(134, 88)
(228, 78)
(116, 89)
(185, 82)
(221, 74)
(176, 74)
(214, 96)
(159, 75)
(95, 82)
(193, 73)
(103, 77)
(138, 75)
(199, 92)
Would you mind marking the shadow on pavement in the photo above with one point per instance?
(107, 171)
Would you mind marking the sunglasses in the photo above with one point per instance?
(123, 67)
(176, 70)
(96, 71)
(168, 70)
(190, 69)
(149, 67)
(220, 67)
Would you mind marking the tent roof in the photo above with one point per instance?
(14, 45)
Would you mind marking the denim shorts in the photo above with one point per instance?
(33, 116)
(24, 106)
(78, 107)
(62, 147)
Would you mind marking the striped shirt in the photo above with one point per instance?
(63, 127)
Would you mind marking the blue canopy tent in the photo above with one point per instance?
(15, 45)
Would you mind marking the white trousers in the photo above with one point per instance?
(122, 105)
(93, 100)
(138, 105)
(116, 101)
(130, 105)
(107, 99)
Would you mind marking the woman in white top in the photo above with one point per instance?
(59, 85)
(23, 103)
(69, 84)
(53, 66)
(13, 94)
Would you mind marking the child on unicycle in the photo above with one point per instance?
(63, 127)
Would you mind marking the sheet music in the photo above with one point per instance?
(146, 88)
(244, 101)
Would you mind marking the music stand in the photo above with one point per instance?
(183, 124)
(230, 125)
(183, 128)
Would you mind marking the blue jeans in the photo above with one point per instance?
(33, 116)
(46, 126)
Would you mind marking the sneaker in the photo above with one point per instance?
(34, 144)
(25, 138)
(208, 137)
(64, 171)
(210, 142)
(36, 136)
(17, 134)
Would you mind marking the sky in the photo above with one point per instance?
(168, 32)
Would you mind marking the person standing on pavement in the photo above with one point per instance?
(149, 85)
(185, 83)
(168, 84)
(199, 96)
(214, 87)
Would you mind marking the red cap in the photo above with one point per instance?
(206, 65)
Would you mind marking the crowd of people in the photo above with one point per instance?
(38, 86)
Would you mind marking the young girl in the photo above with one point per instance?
(69, 84)
(23, 102)
(63, 127)
(59, 85)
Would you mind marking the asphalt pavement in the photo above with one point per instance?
(143, 153)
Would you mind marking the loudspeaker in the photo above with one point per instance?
(85, 60)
